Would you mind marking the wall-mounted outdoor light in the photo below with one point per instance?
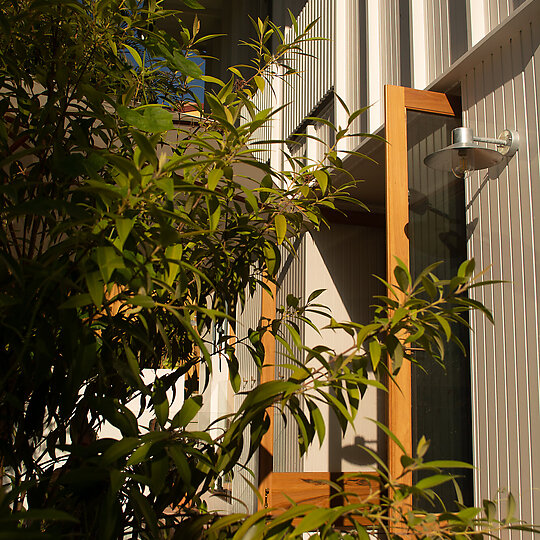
(465, 155)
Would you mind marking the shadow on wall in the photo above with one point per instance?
(492, 173)
(353, 255)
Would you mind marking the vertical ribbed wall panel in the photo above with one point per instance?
(358, 78)
(390, 60)
(305, 91)
(291, 280)
(503, 215)
(248, 318)
(438, 37)
(498, 10)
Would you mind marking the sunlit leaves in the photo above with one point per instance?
(280, 222)
(153, 119)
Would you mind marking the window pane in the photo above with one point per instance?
(436, 230)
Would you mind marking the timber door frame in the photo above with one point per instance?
(399, 100)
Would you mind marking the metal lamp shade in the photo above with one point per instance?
(463, 156)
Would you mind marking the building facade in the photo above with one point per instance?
(423, 67)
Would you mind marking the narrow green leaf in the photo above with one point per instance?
(139, 455)
(142, 300)
(375, 353)
(259, 81)
(322, 180)
(188, 411)
(182, 465)
(214, 176)
(214, 212)
(161, 403)
(134, 54)
(313, 520)
(95, 288)
(281, 227)
(318, 421)
(236, 72)
(77, 300)
(150, 118)
(193, 4)
(120, 449)
(432, 481)
(510, 508)
(108, 261)
(123, 228)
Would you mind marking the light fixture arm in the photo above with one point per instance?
(498, 142)
(508, 142)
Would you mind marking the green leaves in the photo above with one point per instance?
(187, 66)
(108, 261)
(280, 222)
(193, 4)
(149, 118)
(95, 287)
(322, 180)
(123, 228)
(187, 413)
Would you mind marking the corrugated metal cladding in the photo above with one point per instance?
(356, 91)
(503, 91)
(390, 42)
(248, 318)
(291, 280)
(316, 66)
(498, 10)
(446, 34)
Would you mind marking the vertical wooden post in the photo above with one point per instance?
(397, 245)
(266, 452)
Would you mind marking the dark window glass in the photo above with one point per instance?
(457, 13)
(436, 230)
(404, 43)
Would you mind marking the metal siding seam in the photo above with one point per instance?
(398, 76)
(524, 196)
(390, 37)
(491, 14)
(437, 37)
(495, 259)
(527, 62)
(501, 367)
(430, 49)
(474, 354)
(309, 62)
(491, 347)
(320, 48)
(316, 47)
(535, 93)
(385, 53)
(390, 33)
(520, 338)
(474, 342)
(511, 383)
(387, 61)
(308, 73)
(446, 33)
